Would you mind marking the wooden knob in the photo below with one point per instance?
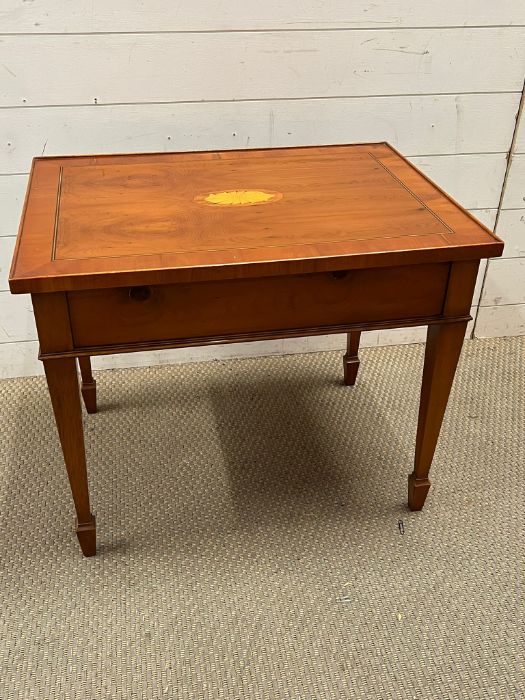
(139, 293)
(339, 274)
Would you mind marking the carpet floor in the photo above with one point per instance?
(249, 538)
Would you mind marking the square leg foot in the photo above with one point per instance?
(351, 367)
(417, 492)
(89, 394)
(87, 537)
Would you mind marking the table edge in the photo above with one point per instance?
(35, 284)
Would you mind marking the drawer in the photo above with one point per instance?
(260, 305)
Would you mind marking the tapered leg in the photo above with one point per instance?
(351, 359)
(89, 385)
(62, 381)
(441, 358)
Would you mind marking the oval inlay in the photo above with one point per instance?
(238, 198)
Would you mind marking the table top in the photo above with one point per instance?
(112, 220)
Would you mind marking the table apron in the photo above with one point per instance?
(261, 308)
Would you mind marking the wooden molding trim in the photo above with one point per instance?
(248, 337)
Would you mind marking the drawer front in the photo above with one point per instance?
(261, 305)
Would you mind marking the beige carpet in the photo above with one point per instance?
(248, 535)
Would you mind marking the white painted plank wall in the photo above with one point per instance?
(124, 68)
(418, 125)
(85, 16)
(502, 304)
(184, 76)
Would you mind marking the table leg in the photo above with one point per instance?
(62, 381)
(351, 359)
(442, 353)
(89, 385)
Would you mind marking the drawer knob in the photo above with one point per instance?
(139, 293)
(339, 274)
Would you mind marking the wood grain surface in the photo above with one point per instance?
(260, 305)
(107, 221)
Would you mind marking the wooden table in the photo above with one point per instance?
(141, 252)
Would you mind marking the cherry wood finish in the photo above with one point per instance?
(265, 304)
(136, 252)
(89, 386)
(441, 357)
(62, 381)
(54, 332)
(126, 220)
(442, 351)
(351, 358)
